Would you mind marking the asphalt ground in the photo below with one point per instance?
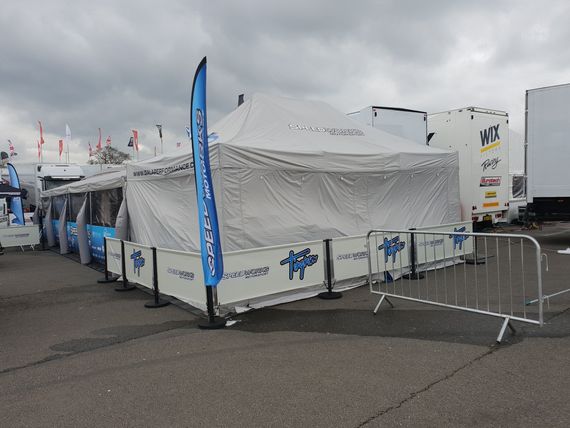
(76, 353)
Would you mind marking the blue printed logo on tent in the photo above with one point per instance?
(138, 261)
(458, 239)
(213, 137)
(391, 248)
(298, 262)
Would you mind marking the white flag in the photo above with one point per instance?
(67, 135)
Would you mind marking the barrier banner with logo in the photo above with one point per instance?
(97, 235)
(180, 275)
(14, 236)
(350, 257)
(138, 264)
(392, 251)
(72, 243)
(114, 256)
(441, 245)
(265, 271)
(55, 226)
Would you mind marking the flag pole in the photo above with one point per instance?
(159, 127)
(210, 243)
(67, 141)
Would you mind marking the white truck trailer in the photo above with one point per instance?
(547, 139)
(409, 124)
(481, 137)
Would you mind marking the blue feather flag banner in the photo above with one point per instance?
(16, 203)
(210, 244)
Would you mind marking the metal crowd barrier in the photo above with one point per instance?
(497, 280)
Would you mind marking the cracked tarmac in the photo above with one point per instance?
(75, 353)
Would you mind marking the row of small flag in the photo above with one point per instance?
(133, 141)
(98, 147)
(41, 141)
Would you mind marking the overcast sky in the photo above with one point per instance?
(122, 65)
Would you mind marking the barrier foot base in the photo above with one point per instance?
(212, 323)
(329, 295)
(475, 260)
(414, 276)
(154, 304)
(506, 323)
(107, 280)
(127, 288)
(380, 302)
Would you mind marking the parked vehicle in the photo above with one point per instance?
(405, 123)
(37, 178)
(547, 153)
(481, 137)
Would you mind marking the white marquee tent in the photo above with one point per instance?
(288, 170)
(108, 179)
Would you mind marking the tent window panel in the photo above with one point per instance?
(57, 206)
(45, 204)
(76, 202)
(105, 206)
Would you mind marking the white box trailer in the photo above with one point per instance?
(481, 137)
(548, 152)
(406, 123)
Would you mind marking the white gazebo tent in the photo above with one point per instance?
(289, 170)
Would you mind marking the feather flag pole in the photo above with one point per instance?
(41, 143)
(210, 244)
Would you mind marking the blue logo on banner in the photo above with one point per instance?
(458, 239)
(96, 236)
(72, 236)
(391, 248)
(210, 245)
(299, 261)
(138, 261)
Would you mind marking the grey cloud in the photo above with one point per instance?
(124, 65)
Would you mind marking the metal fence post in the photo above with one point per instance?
(329, 294)
(157, 302)
(42, 231)
(414, 262)
(126, 285)
(476, 260)
(107, 278)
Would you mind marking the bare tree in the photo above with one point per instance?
(108, 155)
